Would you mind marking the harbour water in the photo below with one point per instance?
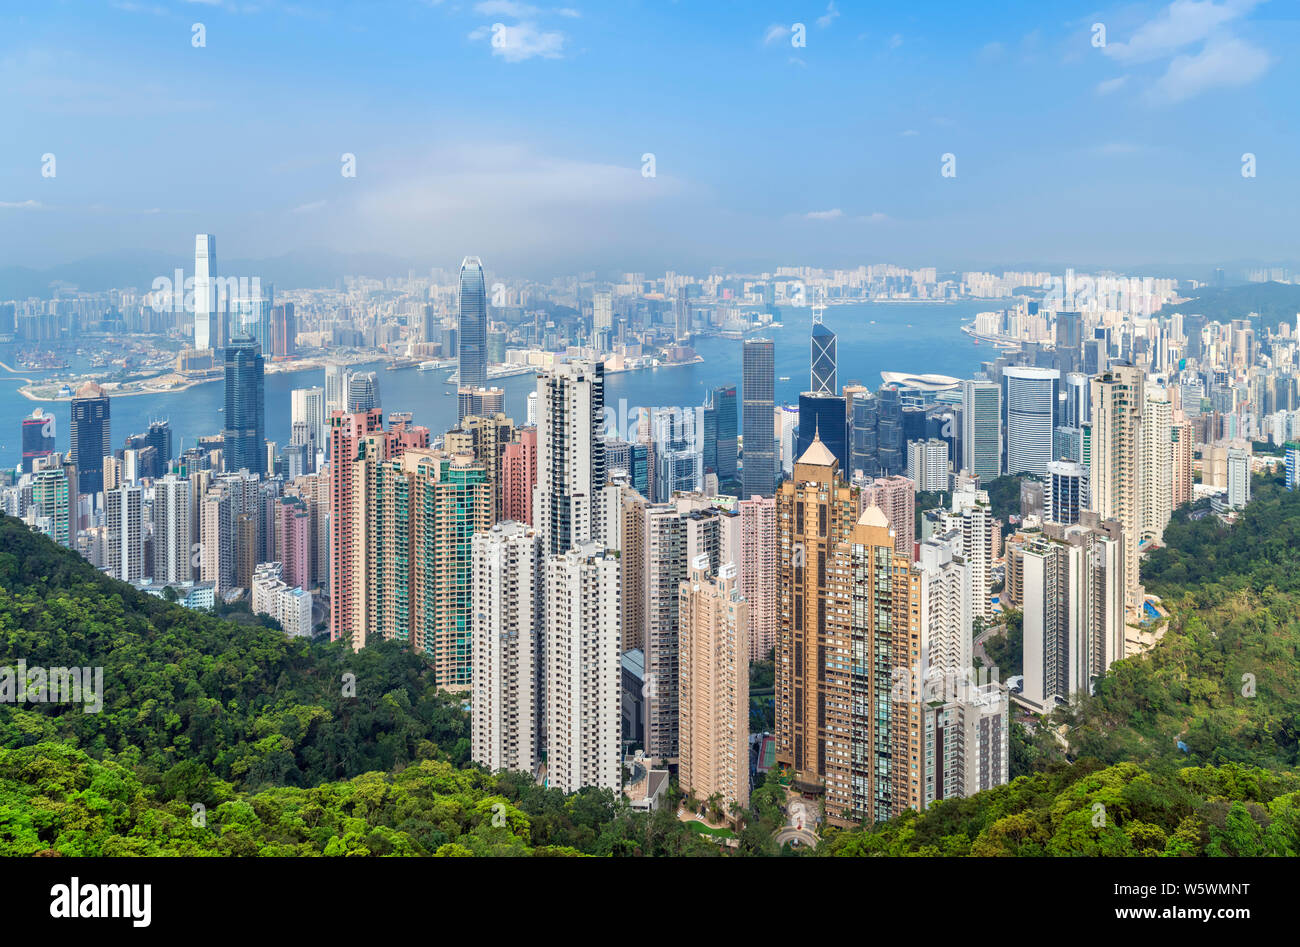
(874, 337)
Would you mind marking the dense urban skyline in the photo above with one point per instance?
(473, 428)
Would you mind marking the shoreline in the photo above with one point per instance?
(183, 385)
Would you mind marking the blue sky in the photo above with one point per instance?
(528, 152)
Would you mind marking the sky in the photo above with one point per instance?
(780, 133)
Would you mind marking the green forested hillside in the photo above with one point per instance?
(256, 729)
(1224, 682)
(1274, 303)
(56, 799)
(187, 693)
(1085, 809)
(1225, 679)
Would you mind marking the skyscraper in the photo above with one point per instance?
(336, 389)
(679, 461)
(284, 330)
(1182, 435)
(508, 574)
(1073, 606)
(1238, 478)
(662, 533)
(358, 446)
(758, 574)
(825, 417)
(91, 441)
(244, 437)
(823, 361)
(175, 529)
(896, 497)
(981, 436)
(602, 311)
(1115, 482)
(570, 454)
(816, 510)
(927, 464)
(1158, 464)
(891, 449)
(725, 450)
(682, 314)
(473, 324)
(363, 392)
(484, 402)
(972, 518)
(53, 495)
(38, 438)
(291, 532)
(1030, 400)
(208, 301)
(485, 438)
(863, 410)
(714, 685)
(250, 316)
(450, 501)
(1076, 408)
(583, 705)
(519, 477)
(217, 539)
(758, 392)
(1065, 492)
(307, 406)
(124, 533)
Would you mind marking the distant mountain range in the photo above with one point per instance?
(120, 269)
(1274, 302)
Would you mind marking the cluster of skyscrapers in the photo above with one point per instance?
(595, 587)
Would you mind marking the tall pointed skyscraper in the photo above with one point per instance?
(473, 324)
(823, 359)
(207, 309)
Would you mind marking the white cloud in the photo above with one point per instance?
(21, 205)
(991, 52)
(896, 41)
(829, 16)
(126, 6)
(510, 181)
(1227, 63)
(1117, 148)
(824, 214)
(521, 41)
(775, 33)
(909, 133)
(308, 207)
(1195, 38)
(505, 8)
(1183, 23)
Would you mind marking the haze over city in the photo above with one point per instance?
(527, 144)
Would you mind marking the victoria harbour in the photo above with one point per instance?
(873, 337)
